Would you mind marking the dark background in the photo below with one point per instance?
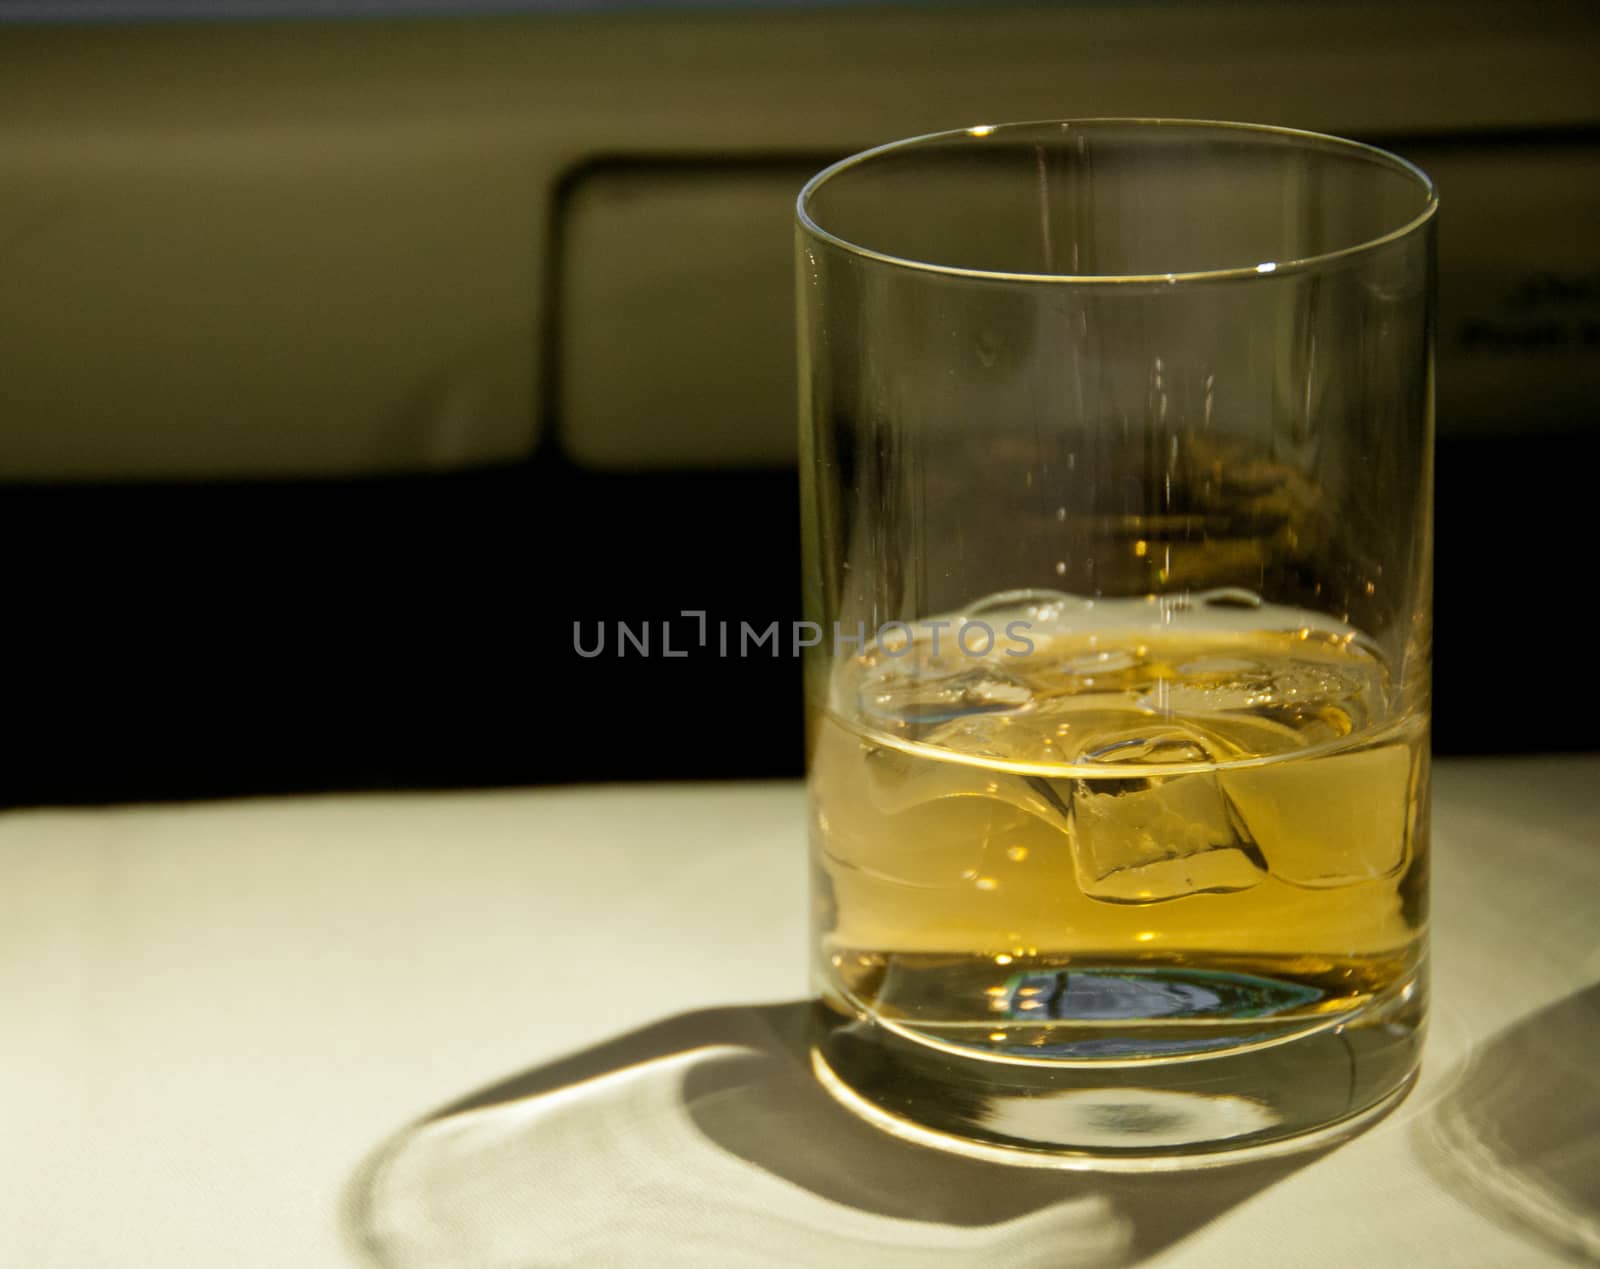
(182, 641)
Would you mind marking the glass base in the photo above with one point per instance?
(1264, 1097)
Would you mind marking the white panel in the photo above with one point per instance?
(677, 318)
(266, 311)
(1519, 285)
(250, 249)
(678, 313)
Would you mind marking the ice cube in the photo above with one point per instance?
(1096, 663)
(933, 692)
(1315, 700)
(1328, 821)
(1211, 685)
(1020, 737)
(896, 784)
(901, 818)
(1145, 840)
(1155, 744)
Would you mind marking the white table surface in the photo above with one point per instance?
(226, 1025)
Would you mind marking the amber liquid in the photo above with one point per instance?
(1146, 837)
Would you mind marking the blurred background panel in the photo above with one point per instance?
(350, 352)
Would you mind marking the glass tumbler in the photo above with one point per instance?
(1117, 476)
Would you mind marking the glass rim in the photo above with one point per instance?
(980, 132)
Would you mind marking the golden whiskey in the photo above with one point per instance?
(1139, 832)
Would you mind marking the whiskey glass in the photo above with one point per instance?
(1116, 478)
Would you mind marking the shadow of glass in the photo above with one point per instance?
(1518, 1131)
(705, 1140)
